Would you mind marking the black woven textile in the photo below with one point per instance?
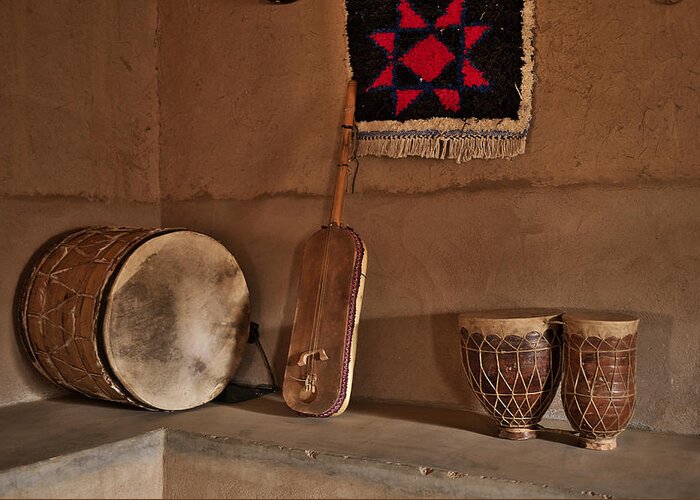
(447, 58)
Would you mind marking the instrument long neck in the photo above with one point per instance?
(341, 180)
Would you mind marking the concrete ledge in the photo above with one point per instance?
(124, 469)
(208, 467)
(74, 447)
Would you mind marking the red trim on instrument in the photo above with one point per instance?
(352, 313)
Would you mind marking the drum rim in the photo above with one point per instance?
(105, 314)
(102, 315)
(506, 315)
(512, 322)
(601, 317)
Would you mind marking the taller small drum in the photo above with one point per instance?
(599, 385)
(148, 317)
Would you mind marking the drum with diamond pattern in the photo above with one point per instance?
(512, 359)
(599, 388)
(148, 317)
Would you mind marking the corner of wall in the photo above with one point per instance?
(159, 145)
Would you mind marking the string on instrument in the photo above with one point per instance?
(353, 156)
(318, 312)
(354, 143)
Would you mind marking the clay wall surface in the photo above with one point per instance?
(600, 213)
(253, 95)
(228, 112)
(78, 138)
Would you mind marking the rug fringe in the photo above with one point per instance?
(460, 149)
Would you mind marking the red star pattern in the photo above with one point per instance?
(428, 58)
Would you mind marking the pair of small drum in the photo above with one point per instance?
(148, 317)
(514, 361)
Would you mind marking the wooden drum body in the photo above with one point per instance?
(599, 388)
(147, 317)
(513, 364)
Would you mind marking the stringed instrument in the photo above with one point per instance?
(319, 372)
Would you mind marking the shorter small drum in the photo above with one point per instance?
(599, 387)
(148, 317)
(513, 364)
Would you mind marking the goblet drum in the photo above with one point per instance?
(599, 388)
(156, 318)
(513, 363)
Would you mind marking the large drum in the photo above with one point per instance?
(148, 317)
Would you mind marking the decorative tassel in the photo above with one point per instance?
(461, 149)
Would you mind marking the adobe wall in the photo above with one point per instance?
(78, 138)
(600, 213)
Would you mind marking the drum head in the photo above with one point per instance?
(504, 322)
(176, 320)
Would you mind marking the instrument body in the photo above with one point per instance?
(151, 318)
(513, 363)
(325, 325)
(319, 372)
(599, 386)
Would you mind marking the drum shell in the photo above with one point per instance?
(513, 365)
(63, 304)
(599, 384)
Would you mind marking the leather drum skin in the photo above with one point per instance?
(148, 317)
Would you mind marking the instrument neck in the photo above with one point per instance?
(341, 180)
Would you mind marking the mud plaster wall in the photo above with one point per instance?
(600, 213)
(252, 95)
(78, 137)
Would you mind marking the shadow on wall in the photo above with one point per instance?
(412, 358)
(398, 360)
(251, 369)
(654, 370)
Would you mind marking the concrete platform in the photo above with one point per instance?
(72, 447)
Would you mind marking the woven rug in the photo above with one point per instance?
(442, 78)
